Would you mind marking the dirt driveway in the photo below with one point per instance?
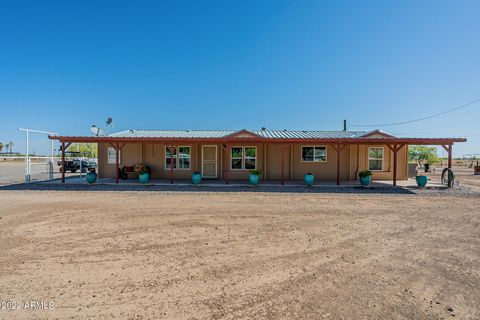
(177, 255)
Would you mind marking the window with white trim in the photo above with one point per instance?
(181, 158)
(375, 158)
(314, 154)
(250, 158)
(243, 158)
(111, 156)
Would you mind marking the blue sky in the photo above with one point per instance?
(65, 65)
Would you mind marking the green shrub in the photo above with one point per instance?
(365, 173)
(256, 172)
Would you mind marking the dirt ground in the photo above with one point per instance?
(186, 255)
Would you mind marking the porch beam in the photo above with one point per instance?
(179, 141)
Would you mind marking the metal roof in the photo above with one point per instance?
(273, 134)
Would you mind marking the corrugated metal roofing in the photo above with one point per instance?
(273, 134)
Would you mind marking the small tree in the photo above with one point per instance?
(1, 147)
(422, 154)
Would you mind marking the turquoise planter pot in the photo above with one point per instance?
(308, 179)
(253, 179)
(421, 181)
(144, 177)
(365, 181)
(196, 178)
(91, 177)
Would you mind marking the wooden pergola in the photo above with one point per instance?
(338, 144)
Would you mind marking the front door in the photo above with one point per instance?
(209, 162)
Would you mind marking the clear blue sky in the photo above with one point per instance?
(65, 65)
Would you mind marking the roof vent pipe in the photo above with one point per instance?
(345, 125)
(264, 129)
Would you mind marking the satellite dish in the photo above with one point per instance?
(97, 131)
(109, 122)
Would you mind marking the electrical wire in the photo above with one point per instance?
(419, 119)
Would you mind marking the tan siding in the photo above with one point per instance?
(105, 170)
(274, 161)
(353, 159)
(322, 171)
(152, 157)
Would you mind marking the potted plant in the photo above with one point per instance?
(196, 177)
(254, 177)
(365, 177)
(308, 179)
(421, 181)
(91, 177)
(143, 173)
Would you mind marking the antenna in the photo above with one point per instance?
(97, 131)
(109, 124)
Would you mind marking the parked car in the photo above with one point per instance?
(74, 165)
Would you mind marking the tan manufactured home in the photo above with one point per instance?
(280, 155)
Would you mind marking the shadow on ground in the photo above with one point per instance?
(207, 188)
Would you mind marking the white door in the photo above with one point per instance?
(209, 162)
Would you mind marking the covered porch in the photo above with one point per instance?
(279, 159)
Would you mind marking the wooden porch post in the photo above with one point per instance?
(338, 164)
(227, 164)
(283, 165)
(448, 148)
(395, 150)
(172, 149)
(117, 147)
(338, 148)
(450, 156)
(395, 165)
(63, 162)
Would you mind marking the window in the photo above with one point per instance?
(314, 154)
(237, 158)
(112, 158)
(375, 159)
(250, 158)
(184, 158)
(181, 159)
(243, 158)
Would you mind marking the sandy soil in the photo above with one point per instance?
(177, 255)
(14, 172)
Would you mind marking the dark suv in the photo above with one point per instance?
(74, 165)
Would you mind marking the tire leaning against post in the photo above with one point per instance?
(448, 178)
